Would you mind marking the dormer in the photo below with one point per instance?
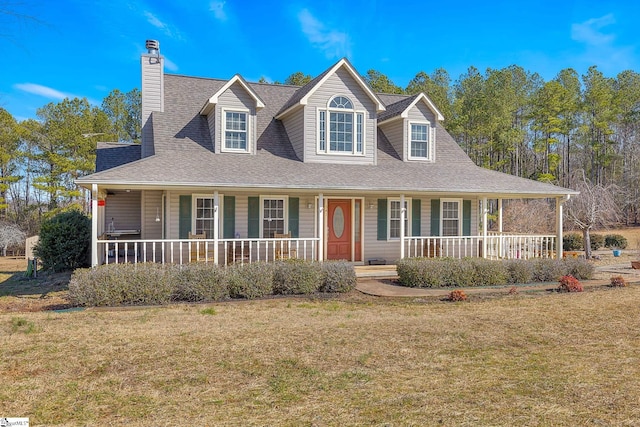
(231, 114)
(410, 127)
(332, 119)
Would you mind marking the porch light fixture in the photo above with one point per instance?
(371, 205)
(157, 214)
(309, 205)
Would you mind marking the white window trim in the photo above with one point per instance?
(430, 139)
(285, 207)
(327, 145)
(407, 229)
(460, 219)
(223, 130)
(194, 207)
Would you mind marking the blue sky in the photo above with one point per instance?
(86, 48)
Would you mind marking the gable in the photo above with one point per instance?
(236, 83)
(302, 96)
(341, 83)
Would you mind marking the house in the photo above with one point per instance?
(232, 171)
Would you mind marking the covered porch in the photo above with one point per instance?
(312, 227)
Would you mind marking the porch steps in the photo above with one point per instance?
(376, 271)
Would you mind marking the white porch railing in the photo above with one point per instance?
(227, 251)
(498, 246)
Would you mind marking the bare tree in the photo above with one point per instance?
(10, 235)
(527, 217)
(594, 207)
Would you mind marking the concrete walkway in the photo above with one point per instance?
(380, 281)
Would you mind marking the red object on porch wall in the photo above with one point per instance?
(101, 202)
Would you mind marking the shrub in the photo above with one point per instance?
(200, 282)
(597, 241)
(572, 242)
(250, 280)
(457, 272)
(548, 270)
(420, 272)
(123, 284)
(444, 272)
(487, 272)
(579, 268)
(296, 276)
(519, 271)
(570, 284)
(618, 281)
(65, 241)
(615, 241)
(457, 295)
(337, 276)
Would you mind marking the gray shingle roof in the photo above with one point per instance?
(184, 154)
(113, 154)
(395, 109)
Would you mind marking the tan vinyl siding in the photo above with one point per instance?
(152, 204)
(340, 83)
(394, 133)
(294, 124)
(235, 98)
(124, 209)
(152, 97)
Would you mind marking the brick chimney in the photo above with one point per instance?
(152, 92)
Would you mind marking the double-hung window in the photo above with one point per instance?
(236, 133)
(340, 128)
(204, 208)
(273, 217)
(395, 216)
(419, 141)
(451, 217)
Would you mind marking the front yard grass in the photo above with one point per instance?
(561, 359)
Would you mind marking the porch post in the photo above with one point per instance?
(500, 238)
(403, 215)
(320, 227)
(559, 225)
(484, 227)
(216, 226)
(94, 225)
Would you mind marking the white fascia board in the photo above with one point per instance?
(208, 106)
(429, 104)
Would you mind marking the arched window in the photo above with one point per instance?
(340, 102)
(344, 130)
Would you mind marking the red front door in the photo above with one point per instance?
(339, 224)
